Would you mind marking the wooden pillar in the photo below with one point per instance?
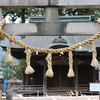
(94, 74)
(24, 78)
(27, 79)
(99, 77)
(76, 75)
(44, 79)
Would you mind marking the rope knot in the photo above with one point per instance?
(2, 37)
(2, 22)
(9, 58)
(49, 72)
(29, 69)
(70, 72)
(94, 62)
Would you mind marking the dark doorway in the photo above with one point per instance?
(37, 77)
(60, 79)
(85, 75)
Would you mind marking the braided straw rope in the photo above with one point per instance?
(94, 62)
(29, 69)
(2, 22)
(70, 72)
(99, 20)
(9, 58)
(53, 51)
(49, 72)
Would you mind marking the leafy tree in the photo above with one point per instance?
(22, 13)
(18, 67)
(25, 13)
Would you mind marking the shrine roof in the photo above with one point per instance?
(46, 42)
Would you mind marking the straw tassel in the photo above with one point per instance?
(70, 72)
(94, 62)
(49, 72)
(29, 69)
(2, 35)
(9, 57)
(2, 22)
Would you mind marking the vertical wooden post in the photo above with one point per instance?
(44, 79)
(0, 95)
(27, 76)
(76, 76)
(99, 77)
(94, 76)
(24, 78)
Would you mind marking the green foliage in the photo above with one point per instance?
(22, 13)
(76, 11)
(13, 13)
(18, 67)
(26, 13)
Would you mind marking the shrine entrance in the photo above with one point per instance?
(37, 77)
(62, 82)
(60, 79)
(86, 74)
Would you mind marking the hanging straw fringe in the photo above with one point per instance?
(49, 72)
(99, 20)
(2, 22)
(70, 72)
(2, 35)
(94, 62)
(29, 69)
(9, 58)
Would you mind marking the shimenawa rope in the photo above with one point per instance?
(29, 69)
(70, 72)
(49, 72)
(53, 51)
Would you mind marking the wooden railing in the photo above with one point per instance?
(30, 89)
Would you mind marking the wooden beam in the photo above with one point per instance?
(44, 3)
(52, 29)
(76, 73)
(44, 79)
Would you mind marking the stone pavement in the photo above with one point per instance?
(58, 98)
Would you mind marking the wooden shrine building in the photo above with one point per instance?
(84, 72)
(55, 34)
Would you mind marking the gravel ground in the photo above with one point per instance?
(58, 98)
